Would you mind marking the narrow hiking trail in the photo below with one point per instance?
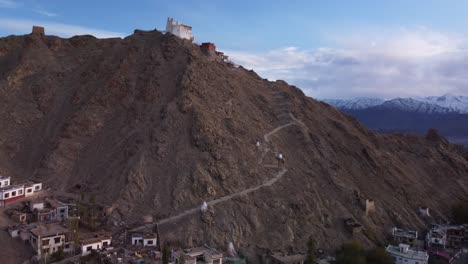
(283, 116)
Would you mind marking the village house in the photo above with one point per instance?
(180, 30)
(200, 254)
(50, 210)
(49, 238)
(285, 259)
(22, 231)
(94, 241)
(404, 255)
(4, 181)
(146, 240)
(10, 193)
(403, 236)
(436, 237)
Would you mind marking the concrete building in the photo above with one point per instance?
(436, 237)
(180, 30)
(94, 241)
(50, 210)
(404, 236)
(10, 193)
(456, 235)
(146, 240)
(4, 181)
(404, 255)
(49, 238)
(200, 254)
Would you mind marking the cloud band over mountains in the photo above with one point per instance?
(405, 62)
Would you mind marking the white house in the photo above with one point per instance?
(404, 255)
(94, 241)
(4, 181)
(180, 30)
(436, 237)
(10, 193)
(146, 240)
(48, 238)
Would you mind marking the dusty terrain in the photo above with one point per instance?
(150, 126)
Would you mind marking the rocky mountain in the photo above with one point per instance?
(357, 103)
(150, 125)
(447, 103)
(453, 102)
(447, 113)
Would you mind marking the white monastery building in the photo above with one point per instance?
(180, 30)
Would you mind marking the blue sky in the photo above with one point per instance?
(334, 49)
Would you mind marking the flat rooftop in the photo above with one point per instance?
(410, 254)
(193, 252)
(94, 237)
(4, 178)
(46, 230)
(405, 233)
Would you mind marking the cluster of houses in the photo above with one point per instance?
(42, 222)
(442, 243)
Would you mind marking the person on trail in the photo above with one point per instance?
(204, 207)
(280, 158)
(257, 143)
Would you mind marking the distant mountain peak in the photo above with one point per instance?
(447, 103)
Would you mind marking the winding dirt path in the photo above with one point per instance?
(270, 182)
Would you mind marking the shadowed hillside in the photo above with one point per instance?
(151, 126)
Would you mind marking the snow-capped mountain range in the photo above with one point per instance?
(431, 105)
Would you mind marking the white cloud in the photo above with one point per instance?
(63, 30)
(45, 13)
(8, 4)
(405, 62)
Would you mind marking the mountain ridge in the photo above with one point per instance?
(447, 103)
(151, 126)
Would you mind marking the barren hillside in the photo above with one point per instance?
(151, 126)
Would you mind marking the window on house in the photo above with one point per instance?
(62, 211)
(104, 244)
(57, 240)
(13, 193)
(150, 242)
(45, 242)
(89, 248)
(20, 192)
(7, 195)
(36, 187)
(29, 190)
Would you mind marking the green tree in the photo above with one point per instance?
(379, 256)
(310, 251)
(165, 255)
(460, 213)
(182, 259)
(57, 255)
(351, 253)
